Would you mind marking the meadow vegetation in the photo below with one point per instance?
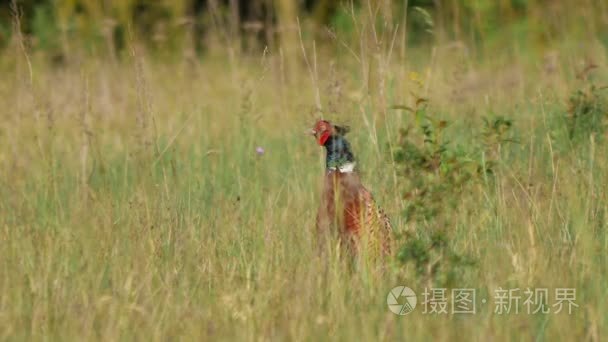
(133, 203)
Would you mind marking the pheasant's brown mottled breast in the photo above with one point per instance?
(349, 206)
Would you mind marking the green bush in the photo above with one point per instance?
(587, 112)
(436, 176)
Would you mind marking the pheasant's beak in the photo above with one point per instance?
(312, 132)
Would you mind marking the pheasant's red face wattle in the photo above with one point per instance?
(323, 137)
(322, 131)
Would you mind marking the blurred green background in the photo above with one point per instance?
(60, 27)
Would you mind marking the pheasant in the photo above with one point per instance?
(346, 205)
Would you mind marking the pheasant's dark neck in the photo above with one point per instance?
(338, 152)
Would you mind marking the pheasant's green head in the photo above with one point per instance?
(324, 129)
(337, 148)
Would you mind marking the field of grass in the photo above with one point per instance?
(133, 204)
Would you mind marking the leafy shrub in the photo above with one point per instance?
(587, 112)
(434, 259)
(435, 177)
(434, 172)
